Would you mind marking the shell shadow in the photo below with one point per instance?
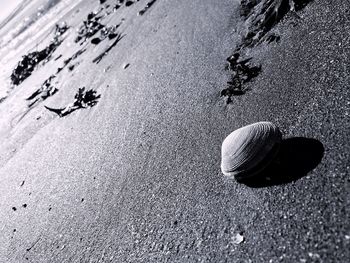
(295, 159)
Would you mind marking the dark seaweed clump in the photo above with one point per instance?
(82, 99)
(247, 7)
(26, 66)
(242, 72)
(121, 2)
(89, 28)
(260, 16)
(28, 63)
(263, 15)
(106, 32)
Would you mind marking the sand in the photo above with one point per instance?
(137, 178)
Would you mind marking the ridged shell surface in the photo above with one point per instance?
(249, 148)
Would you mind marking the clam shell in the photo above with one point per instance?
(248, 150)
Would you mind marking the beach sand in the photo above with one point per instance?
(136, 177)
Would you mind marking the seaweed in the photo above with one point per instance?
(272, 38)
(89, 28)
(26, 66)
(82, 99)
(242, 72)
(260, 16)
(60, 29)
(106, 32)
(247, 7)
(263, 15)
(126, 3)
(28, 63)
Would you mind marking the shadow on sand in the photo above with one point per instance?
(296, 158)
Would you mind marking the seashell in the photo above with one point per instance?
(248, 150)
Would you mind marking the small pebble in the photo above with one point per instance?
(96, 41)
(126, 66)
(14, 208)
(238, 238)
(128, 3)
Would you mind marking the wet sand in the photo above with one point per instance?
(137, 178)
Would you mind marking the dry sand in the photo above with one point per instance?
(136, 178)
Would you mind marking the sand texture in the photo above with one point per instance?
(131, 173)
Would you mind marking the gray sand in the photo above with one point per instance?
(137, 177)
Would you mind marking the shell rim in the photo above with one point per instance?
(266, 161)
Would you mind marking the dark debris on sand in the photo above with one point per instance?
(89, 28)
(46, 90)
(242, 72)
(149, 4)
(26, 66)
(70, 59)
(106, 51)
(247, 7)
(126, 3)
(269, 38)
(261, 16)
(92, 26)
(106, 32)
(28, 63)
(82, 99)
